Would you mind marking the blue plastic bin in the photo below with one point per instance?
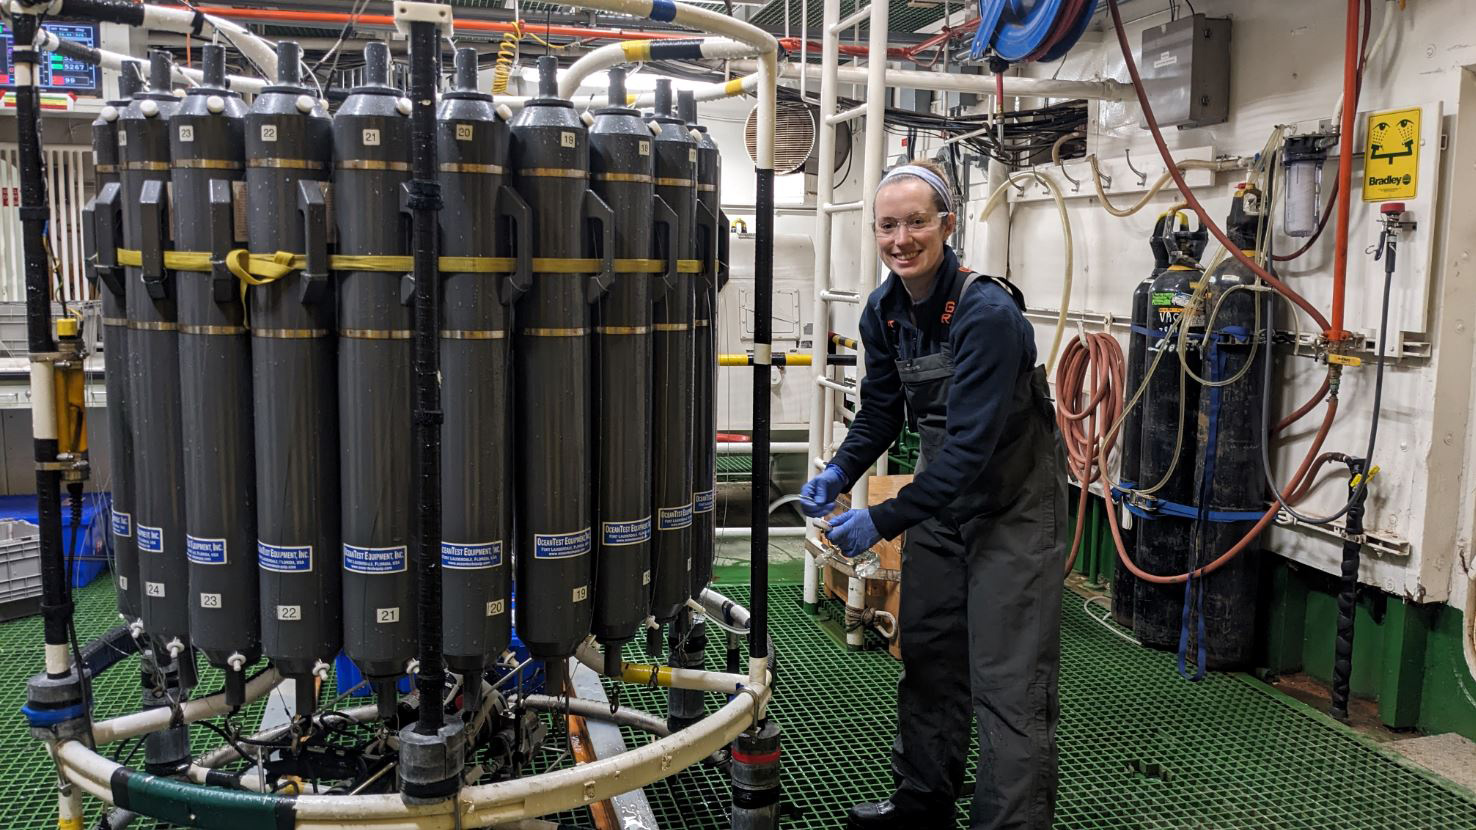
(94, 544)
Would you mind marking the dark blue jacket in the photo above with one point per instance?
(993, 345)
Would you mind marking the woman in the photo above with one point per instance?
(985, 518)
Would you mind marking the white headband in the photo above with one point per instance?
(933, 180)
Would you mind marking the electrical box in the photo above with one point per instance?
(1185, 66)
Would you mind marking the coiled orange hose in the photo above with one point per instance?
(1092, 364)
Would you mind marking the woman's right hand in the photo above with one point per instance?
(817, 497)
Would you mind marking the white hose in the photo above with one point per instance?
(47, 41)
(997, 198)
(153, 720)
(640, 51)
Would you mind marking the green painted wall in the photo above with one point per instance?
(1406, 656)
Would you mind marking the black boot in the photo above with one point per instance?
(876, 815)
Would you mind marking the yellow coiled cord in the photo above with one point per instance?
(507, 58)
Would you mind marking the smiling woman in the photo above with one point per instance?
(950, 350)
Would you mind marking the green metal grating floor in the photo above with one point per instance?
(1140, 748)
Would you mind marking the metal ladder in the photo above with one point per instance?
(832, 389)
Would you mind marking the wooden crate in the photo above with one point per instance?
(879, 593)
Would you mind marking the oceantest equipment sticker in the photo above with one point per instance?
(122, 524)
(562, 545)
(375, 560)
(284, 559)
(150, 539)
(676, 518)
(626, 533)
(704, 501)
(470, 557)
(205, 551)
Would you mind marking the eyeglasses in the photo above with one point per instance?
(915, 224)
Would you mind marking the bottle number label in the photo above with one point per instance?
(644, 148)
(122, 138)
(154, 589)
(386, 615)
(568, 139)
(268, 132)
(645, 577)
(210, 600)
(692, 156)
(186, 133)
(494, 607)
(123, 583)
(464, 132)
(371, 138)
(581, 593)
(289, 613)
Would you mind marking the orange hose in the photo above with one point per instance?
(1086, 431)
(1310, 405)
(1345, 170)
(1193, 201)
(283, 16)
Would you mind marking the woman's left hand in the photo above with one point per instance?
(853, 532)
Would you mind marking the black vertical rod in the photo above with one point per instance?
(56, 609)
(425, 203)
(763, 333)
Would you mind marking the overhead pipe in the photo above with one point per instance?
(513, 27)
(201, 22)
(48, 41)
(1106, 90)
(641, 51)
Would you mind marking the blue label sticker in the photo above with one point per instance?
(676, 518)
(374, 560)
(150, 539)
(704, 501)
(284, 559)
(470, 557)
(626, 533)
(205, 551)
(122, 524)
(561, 545)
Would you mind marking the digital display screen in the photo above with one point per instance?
(58, 73)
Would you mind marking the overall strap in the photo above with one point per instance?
(969, 278)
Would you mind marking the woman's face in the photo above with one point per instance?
(909, 232)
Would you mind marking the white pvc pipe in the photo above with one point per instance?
(48, 42)
(153, 720)
(774, 532)
(639, 51)
(977, 84)
(746, 447)
(695, 679)
(257, 50)
(719, 607)
(820, 426)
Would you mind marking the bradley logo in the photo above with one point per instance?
(1375, 181)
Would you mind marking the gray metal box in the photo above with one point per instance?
(1185, 66)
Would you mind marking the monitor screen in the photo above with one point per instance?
(58, 73)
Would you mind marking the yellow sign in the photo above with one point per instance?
(1391, 156)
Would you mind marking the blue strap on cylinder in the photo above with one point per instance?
(1158, 508)
(46, 718)
(1194, 589)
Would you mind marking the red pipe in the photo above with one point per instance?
(792, 44)
(1345, 171)
(282, 16)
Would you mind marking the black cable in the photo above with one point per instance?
(1357, 493)
(225, 736)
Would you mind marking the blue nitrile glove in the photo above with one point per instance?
(817, 497)
(853, 532)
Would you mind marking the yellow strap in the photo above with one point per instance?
(130, 258)
(560, 265)
(638, 266)
(261, 269)
(478, 264)
(689, 266)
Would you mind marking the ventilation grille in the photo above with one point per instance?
(794, 136)
(67, 189)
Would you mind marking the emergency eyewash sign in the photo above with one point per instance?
(1391, 155)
